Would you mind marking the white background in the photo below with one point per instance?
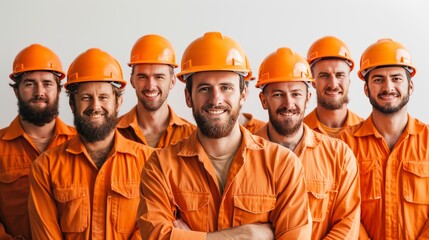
(71, 27)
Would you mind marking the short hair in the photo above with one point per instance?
(19, 77)
(407, 73)
(171, 69)
(189, 83)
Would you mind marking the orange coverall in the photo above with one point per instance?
(394, 184)
(253, 125)
(313, 122)
(265, 184)
(178, 128)
(332, 179)
(17, 153)
(70, 198)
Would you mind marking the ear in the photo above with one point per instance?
(15, 90)
(411, 87)
(308, 99)
(313, 83)
(120, 100)
(173, 81)
(72, 107)
(365, 89)
(243, 96)
(188, 98)
(132, 81)
(263, 100)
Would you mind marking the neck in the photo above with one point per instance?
(243, 120)
(99, 150)
(218, 147)
(390, 126)
(41, 135)
(290, 141)
(151, 122)
(332, 118)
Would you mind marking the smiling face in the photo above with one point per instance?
(286, 103)
(216, 101)
(38, 95)
(388, 89)
(95, 110)
(332, 83)
(152, 83)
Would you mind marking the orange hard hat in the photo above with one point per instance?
(153, 49)
(95, 65)
(329, 47)
(283, 65)
(385, 52)
(214, 52)
(36, 58)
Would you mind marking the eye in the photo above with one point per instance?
(296, 94)
(203, 89)
(227, 88)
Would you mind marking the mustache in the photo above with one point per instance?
(286, 110)
(92, 111)
(333, 89)
(216, 107)
(386, 93)
(39, 98)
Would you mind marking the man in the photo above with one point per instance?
(37, 72)
(331, 63)
(247, 120)
(87, 188)
(153, 122)
(329, 164)
(222, 182)
(392, 148)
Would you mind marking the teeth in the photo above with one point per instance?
(151, 94)
(216, 111)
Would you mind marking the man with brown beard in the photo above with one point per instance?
(330, 167)
(87, 188)
(37, 72)
(222, 182)
(391, 147)
(331, 63)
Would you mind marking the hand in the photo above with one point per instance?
(179, 223)
(257, 231)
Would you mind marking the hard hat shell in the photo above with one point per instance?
(283, 65)
(153, 49)
(385, 52)
(329, 47)
(214, 52)
(95, 65)
(36, 58)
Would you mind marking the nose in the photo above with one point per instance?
(332, 81)
(288, 102)
(40, 89)
(216, 97)
(150, 83)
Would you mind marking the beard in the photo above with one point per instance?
(154, 106)
(36, 116)
(91, 131)
(389, 109)
(287, 127)
(332, 104)
(210, 128)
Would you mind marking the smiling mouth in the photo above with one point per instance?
(151, 94)
(216, 111)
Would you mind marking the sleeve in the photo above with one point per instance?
(291, 217)
(346, 210)
(3, 234)
(41, 204)
(156, 211)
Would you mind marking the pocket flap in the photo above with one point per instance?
(420, 169)
(191, 201)
(128, 190)
(367, 166)
(69, 194)
(255, 203)
(320, 189)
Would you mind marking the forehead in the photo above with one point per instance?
(215, 78)
(38, 75)
(386, 71)
(286, 86)
(95, 88)
(148, 67)
(331, 64)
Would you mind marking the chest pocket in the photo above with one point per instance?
(252, 208)
(13, 167)
(193, 209)
(370, 180)
(125, 201)
(73, 208)
(320, 198)
(416, 182)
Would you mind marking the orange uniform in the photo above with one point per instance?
(265, 184)
(178, 128)
(253, 125)
(71, 199)
(17, 153)
(394, 184)
(313, 122)
(332, 180)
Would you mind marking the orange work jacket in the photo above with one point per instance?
(394, 184)
(332, 179)
(17, 153)
(265, 184)
(313, 122)
(253, 124)
(178, 128)
(70, 198)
